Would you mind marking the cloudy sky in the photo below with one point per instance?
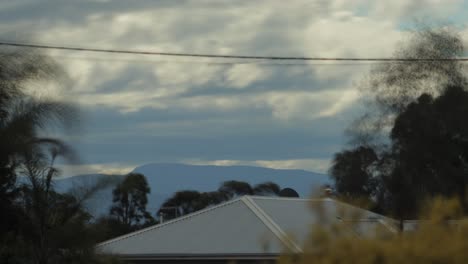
(141, 109)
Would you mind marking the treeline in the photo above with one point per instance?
(129, 213)
(189, 201)
(411, 144)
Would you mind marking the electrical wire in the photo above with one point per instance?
(217, 56)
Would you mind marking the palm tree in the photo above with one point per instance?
(23, 118)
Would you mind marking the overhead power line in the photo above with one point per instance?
(218, 56)
(221, 63)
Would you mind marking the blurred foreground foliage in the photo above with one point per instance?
(441, 236)
(39, 225)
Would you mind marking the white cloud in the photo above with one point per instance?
(243, 75)
(311, 164)
(315, 165)
(128, 83)
(217, 162)
(313, 28)
(346, 99)
(104, 168)
(308, 105)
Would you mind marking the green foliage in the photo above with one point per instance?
(51, 227)
(412, 144)
(351, 171)
(392, 86)
(22, 118)
(38, 225)
(130, 199)
(182, 203)
(266, 188)
(189, 201)
(235, 188)
(108, 227)
(435, 130)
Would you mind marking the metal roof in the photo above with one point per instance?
(247, 226)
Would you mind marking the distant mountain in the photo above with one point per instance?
(166, 179)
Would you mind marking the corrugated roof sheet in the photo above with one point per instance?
(247, 225)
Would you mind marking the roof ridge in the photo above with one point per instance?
(286, 198)
(167, 223)
(270, 224)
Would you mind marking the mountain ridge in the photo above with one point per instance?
(165, 179)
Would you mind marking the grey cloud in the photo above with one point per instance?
(282, 78)
(120, 137)
(153, 111)
(69, 12)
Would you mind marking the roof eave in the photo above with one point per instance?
(240, 256)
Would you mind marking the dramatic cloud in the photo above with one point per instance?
(215, 111)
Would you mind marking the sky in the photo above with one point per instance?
(143, 109)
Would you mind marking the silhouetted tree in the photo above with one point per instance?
(182, 203)
(130, 199)
(431, 137)
(392, 86)
(108, 227)
(288, 192)
(189, 201)
(211, 198)
(52, 227)
(352, 172)
(429, 150)
(266, 188)
(412, 142)
(235, 188)
(23, 119)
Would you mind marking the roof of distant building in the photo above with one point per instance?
(249, 226)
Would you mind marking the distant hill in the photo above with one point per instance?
(165, 179)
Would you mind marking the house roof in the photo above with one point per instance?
(246, 226)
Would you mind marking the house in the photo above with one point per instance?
(248, 229)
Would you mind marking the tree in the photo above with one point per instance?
(130, 199)
(352, 172)
(429, 146)
(189, 201)
(22, 117)
(235, 188)
(412, 143)
(48, 222)
(23, 120)
(392, 86)
(266, 189)
(182, 203)
(108, 227)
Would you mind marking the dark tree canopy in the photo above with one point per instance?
(430, 140)
(130, 199)
(189, 201)
(352, 172)
(392, 86)
(412, 143)
(288, 192)
(182, 203)
(35, 219)
(235, 188)
(266, 188)
(395, 85)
